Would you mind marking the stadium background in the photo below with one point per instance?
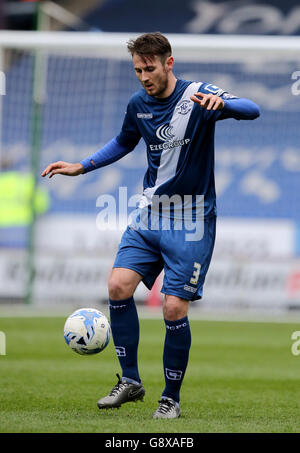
(65, 102)
(256, 264)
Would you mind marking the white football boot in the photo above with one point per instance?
(168, 408)
(123, 392)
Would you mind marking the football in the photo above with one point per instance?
(87, 331)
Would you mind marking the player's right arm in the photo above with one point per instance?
(114, 150)
(109, 153)
(63, 168)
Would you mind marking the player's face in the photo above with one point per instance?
(153, 74)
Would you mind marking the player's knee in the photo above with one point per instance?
(175, 308)
(172, 313)
(118, 290)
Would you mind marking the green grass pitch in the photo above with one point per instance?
(242, 377)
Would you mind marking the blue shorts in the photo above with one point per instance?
(185, 262)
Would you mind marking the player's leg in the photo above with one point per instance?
(176, 354)
(122, 283)
(124, 319)
(136, 260)
(124, 324)
(186, 265)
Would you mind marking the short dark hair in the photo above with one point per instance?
(149, 45)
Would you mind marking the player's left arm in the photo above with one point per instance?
(239, 109)
(222, 105)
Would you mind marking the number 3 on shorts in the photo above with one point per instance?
(196, 273)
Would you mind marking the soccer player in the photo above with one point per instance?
(176, 118)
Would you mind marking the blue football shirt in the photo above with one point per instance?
(179, 135)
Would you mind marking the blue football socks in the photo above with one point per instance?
(125, 331)
(176, 356)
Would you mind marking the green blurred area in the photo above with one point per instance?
(242, 377)
(17, 200)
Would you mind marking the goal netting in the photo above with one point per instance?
(65, 96)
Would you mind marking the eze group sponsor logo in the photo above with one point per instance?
(164, 133)
(168, 145)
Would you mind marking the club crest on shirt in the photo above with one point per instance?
(183, 107)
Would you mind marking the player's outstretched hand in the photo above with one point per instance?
(208, 101)
(63, 168)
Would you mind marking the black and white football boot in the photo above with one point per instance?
(168, 408)
(123, 392)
